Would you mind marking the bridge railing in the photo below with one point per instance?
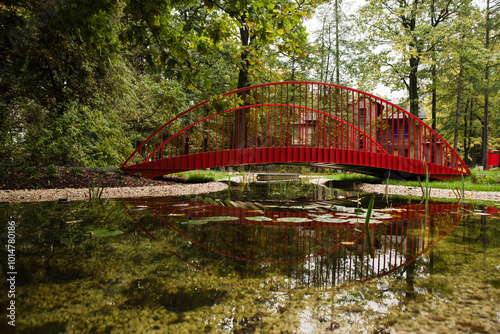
(299, 114)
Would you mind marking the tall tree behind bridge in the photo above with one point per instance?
(336, 48)
(491, 43)
(401, 32)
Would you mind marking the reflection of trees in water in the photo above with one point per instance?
(298, 255)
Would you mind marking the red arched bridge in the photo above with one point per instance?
(297, 123)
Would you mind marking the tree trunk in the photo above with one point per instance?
(434, 97)
(459, 99)
(337, 51)
(466, 134)
(243, 81)
(413, 86)
(484, 150)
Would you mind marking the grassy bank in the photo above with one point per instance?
(201, 176)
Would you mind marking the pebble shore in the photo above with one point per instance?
(72, 194)
(434, 192)
(181, 189)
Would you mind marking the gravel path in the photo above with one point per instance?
(123, 192)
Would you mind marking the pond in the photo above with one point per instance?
(269, 258)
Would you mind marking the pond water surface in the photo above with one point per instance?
(272, 258)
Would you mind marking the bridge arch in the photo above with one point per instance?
(297, 123)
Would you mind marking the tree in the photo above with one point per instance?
(491, 26)
(336, 50)
(408, 27)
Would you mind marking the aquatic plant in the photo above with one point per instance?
(387, 188)
(367, 226)
(95, 190)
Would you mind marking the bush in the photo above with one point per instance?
(52, 171)
(76, 171)
(102, 171)
(32, 172)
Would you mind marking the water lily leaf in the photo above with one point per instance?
(205, 220)
(344, 214)
(105, 233)
(330, 219)
(382, 215)
(338, 208)
(221, 218)
(294, 220)
(259, 219)
(194, 222)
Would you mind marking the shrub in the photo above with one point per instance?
(76, 171)
(52, 171)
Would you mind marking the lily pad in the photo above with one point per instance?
(330, 219)
(259, 219)
(221, 218)
(381, 215)
(205, 220)
(338, 208)
(105, 233)
(294, 220)
(194, 222)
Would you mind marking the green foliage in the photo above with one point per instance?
(95, 191)
(52, 171)
(84, 83)
(202, 176)
(76, 171)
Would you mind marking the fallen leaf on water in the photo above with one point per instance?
(347, 243)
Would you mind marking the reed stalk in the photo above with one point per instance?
(367, 226)
(95, 190)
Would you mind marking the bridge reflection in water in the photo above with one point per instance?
(293, 251)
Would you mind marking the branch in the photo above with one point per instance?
(233, 14)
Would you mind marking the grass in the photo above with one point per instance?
(353, 177)
(202, 176)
